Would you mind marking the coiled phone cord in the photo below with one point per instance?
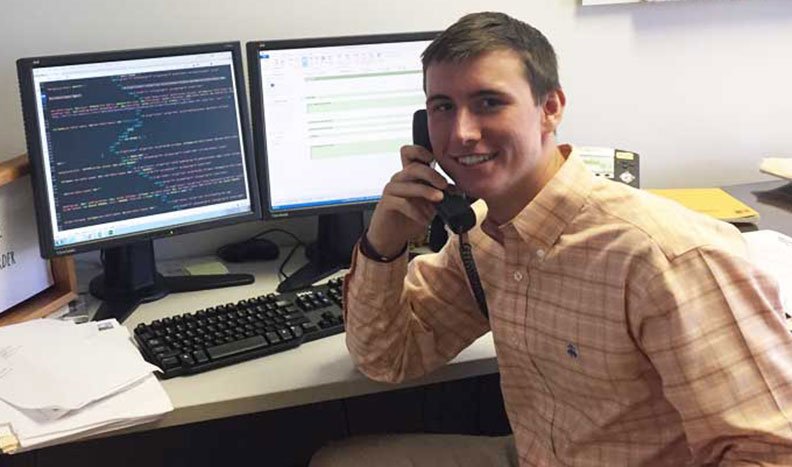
(466, 253)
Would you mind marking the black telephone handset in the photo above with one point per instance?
(454, 210)
(457, 214)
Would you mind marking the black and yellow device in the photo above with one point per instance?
(615, 164)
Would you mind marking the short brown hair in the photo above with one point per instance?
(479, 33)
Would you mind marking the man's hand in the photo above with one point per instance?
(406, 207)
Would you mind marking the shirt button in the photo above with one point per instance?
(518, 276)
(540, 253)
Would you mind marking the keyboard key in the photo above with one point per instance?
(236, 347)
(200, 356)
(296, 318)
(285, 334)
(170, 362)
(186, 359)
(272, 337)
(168, 352)
(297, 331)
(153, 342)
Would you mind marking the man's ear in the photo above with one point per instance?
(553, 110)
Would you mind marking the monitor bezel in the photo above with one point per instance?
(259, 123)
(25, 68)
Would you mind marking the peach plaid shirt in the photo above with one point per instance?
(628, 330)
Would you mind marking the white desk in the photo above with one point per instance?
(322, 370)
(316, 371)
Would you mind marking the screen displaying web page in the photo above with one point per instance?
(335, 119)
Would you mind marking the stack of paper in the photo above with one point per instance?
(711, 201)
(59, 380)
(777, 166)
(771, 251)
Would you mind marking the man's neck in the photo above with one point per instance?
(500, 212)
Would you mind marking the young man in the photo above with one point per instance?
(628, 330)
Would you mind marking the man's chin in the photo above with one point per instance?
(473, 192)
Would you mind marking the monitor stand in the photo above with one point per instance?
(130, 278)
(336, 237)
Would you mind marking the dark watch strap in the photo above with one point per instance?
(370, 253)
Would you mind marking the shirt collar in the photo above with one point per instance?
(544, 219)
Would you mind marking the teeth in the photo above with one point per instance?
(476, 159)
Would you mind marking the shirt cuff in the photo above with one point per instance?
(377, 284)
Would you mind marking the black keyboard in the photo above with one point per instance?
(234, 332)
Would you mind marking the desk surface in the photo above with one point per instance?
(316, 371)
(772, 200)
(322, 370)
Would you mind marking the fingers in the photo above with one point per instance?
(416, 167)
(397, 220)
(407, 203)
(419, 213)
(414, 153)
(412, 201)
(408, 188)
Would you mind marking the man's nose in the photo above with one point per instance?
(466, 128)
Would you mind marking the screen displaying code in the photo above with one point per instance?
(133, 145)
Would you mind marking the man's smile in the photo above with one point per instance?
(474, 159)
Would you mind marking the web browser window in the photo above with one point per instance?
(338, 114)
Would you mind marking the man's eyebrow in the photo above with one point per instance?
(488, 93)
(437, 97)
(477, 94)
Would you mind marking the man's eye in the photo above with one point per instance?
(441, 107)
(490, 103)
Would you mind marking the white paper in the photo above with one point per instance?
(142, 402)
(771, 251)
(23, 273)
(777, 166)
(50, 369)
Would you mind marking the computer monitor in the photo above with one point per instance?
(129, 146)
(329, 118)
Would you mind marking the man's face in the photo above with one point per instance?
(485, 127)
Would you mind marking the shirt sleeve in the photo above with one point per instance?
(405, 320)
(713, 327)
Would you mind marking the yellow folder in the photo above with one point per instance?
(712, 201)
